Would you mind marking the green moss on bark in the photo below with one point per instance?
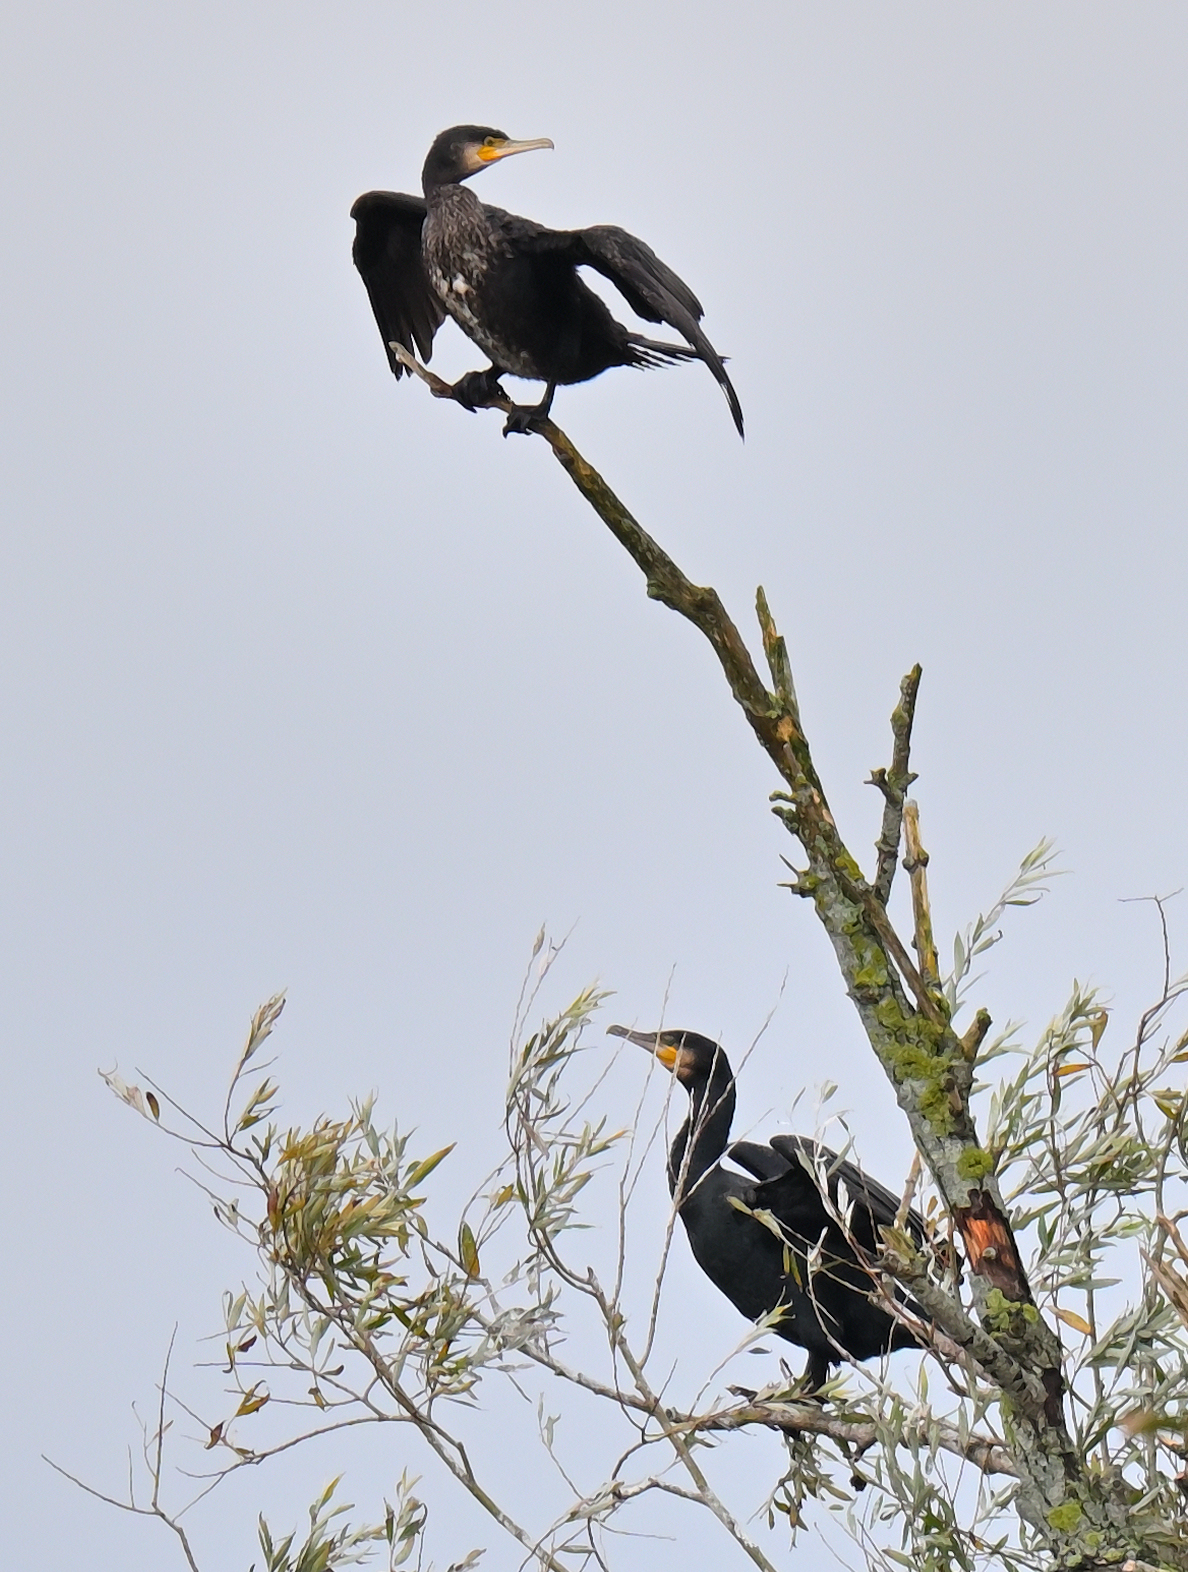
(1065, 1517)
(974, 1163)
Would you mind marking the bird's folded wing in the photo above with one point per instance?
(881, 1203)
(757, 1159)
(387, 252)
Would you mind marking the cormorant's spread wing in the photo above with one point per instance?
(881, 1204)
(387, 252)
(649, 286)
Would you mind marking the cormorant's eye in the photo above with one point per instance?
(490, 141)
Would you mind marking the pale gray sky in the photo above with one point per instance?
(309, 681)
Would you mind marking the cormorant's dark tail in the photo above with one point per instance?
(649, 353)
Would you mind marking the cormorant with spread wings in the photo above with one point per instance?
(512, 285)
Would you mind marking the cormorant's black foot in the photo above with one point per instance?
(525, 419)
(477, 389)
(808, 1388)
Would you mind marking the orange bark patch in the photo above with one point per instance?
(990, 1247)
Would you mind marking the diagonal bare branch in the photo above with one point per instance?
(894, 783)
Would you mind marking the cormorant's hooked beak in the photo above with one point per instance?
(490, 151)
(650, 1041)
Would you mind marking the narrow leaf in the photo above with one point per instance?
(1077, 1322)
(468, 1251)
(425, 1167)
(252, 1401)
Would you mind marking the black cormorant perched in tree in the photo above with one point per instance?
(829, 1311)
(512, 285)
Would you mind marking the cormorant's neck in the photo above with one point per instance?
(434, 181)
(705, 1134)
(451, 197)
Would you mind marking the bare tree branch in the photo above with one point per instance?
(991, 1456)
(916, 864)
(894, 783)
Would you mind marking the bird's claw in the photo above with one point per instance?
(524, 419)
(477, 390)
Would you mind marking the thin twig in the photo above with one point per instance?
(916, 865)
(893, 783)
(155, 1509)
(910, 1185)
